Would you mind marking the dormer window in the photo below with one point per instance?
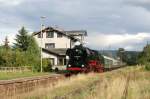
(39, 35)
(59, 35)
(49, 34)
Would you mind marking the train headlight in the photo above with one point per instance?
(69, 65)
(67, 57)
(82, 65)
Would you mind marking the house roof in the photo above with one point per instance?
(56, 51)
(58, 31)
(76, 32)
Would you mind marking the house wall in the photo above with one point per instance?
(63, 42)
(46, 55)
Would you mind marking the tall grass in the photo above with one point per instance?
(127, 83)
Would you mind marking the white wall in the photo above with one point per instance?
(46, 55)
(63, 42)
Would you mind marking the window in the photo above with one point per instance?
(49, 45)
(49, 34)
(65, 62)
(59, 35)
(60, 61)
(52, 61)
(39, 35)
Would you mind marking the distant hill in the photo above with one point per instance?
(113, 53)
(110, 53)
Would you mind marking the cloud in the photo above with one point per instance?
(127, 41)
(140, 3)
(104, 17)
(115, 16)
(10, 2)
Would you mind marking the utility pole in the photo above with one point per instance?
(42, 19)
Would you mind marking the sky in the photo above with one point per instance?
(110, 24)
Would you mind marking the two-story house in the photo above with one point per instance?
(54, 43)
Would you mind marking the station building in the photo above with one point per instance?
(55, 42)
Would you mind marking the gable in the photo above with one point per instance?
(50, 29)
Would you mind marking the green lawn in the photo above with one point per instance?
(13, 75)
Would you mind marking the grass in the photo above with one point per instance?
(126, 83)
(14, 75)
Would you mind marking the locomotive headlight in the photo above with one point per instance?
(82, 65)
(67, 57)
(69, 65)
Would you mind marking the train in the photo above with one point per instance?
(84, 59)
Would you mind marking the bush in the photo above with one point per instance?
(147, 66)
(46, 65)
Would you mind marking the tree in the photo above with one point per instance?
(121, 54)
(33, 46)
(6, 43)
(6, 57)
(25, 52)
(132, 57)
(33, 52)
(144, 57)
(22, 41)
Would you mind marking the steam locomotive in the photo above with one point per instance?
(83, 59)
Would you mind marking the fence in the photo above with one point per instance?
(15, 69)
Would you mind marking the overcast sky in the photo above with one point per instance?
(110, 23)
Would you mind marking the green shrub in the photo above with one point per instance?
(147, 66)
(46, 65)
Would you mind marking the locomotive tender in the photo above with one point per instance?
(83, 59)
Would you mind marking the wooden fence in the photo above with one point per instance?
(15, 69)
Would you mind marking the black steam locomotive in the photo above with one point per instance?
(83, 59)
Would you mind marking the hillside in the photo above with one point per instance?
(113, 53)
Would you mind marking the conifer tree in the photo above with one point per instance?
(6, 43)
(22, 41)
